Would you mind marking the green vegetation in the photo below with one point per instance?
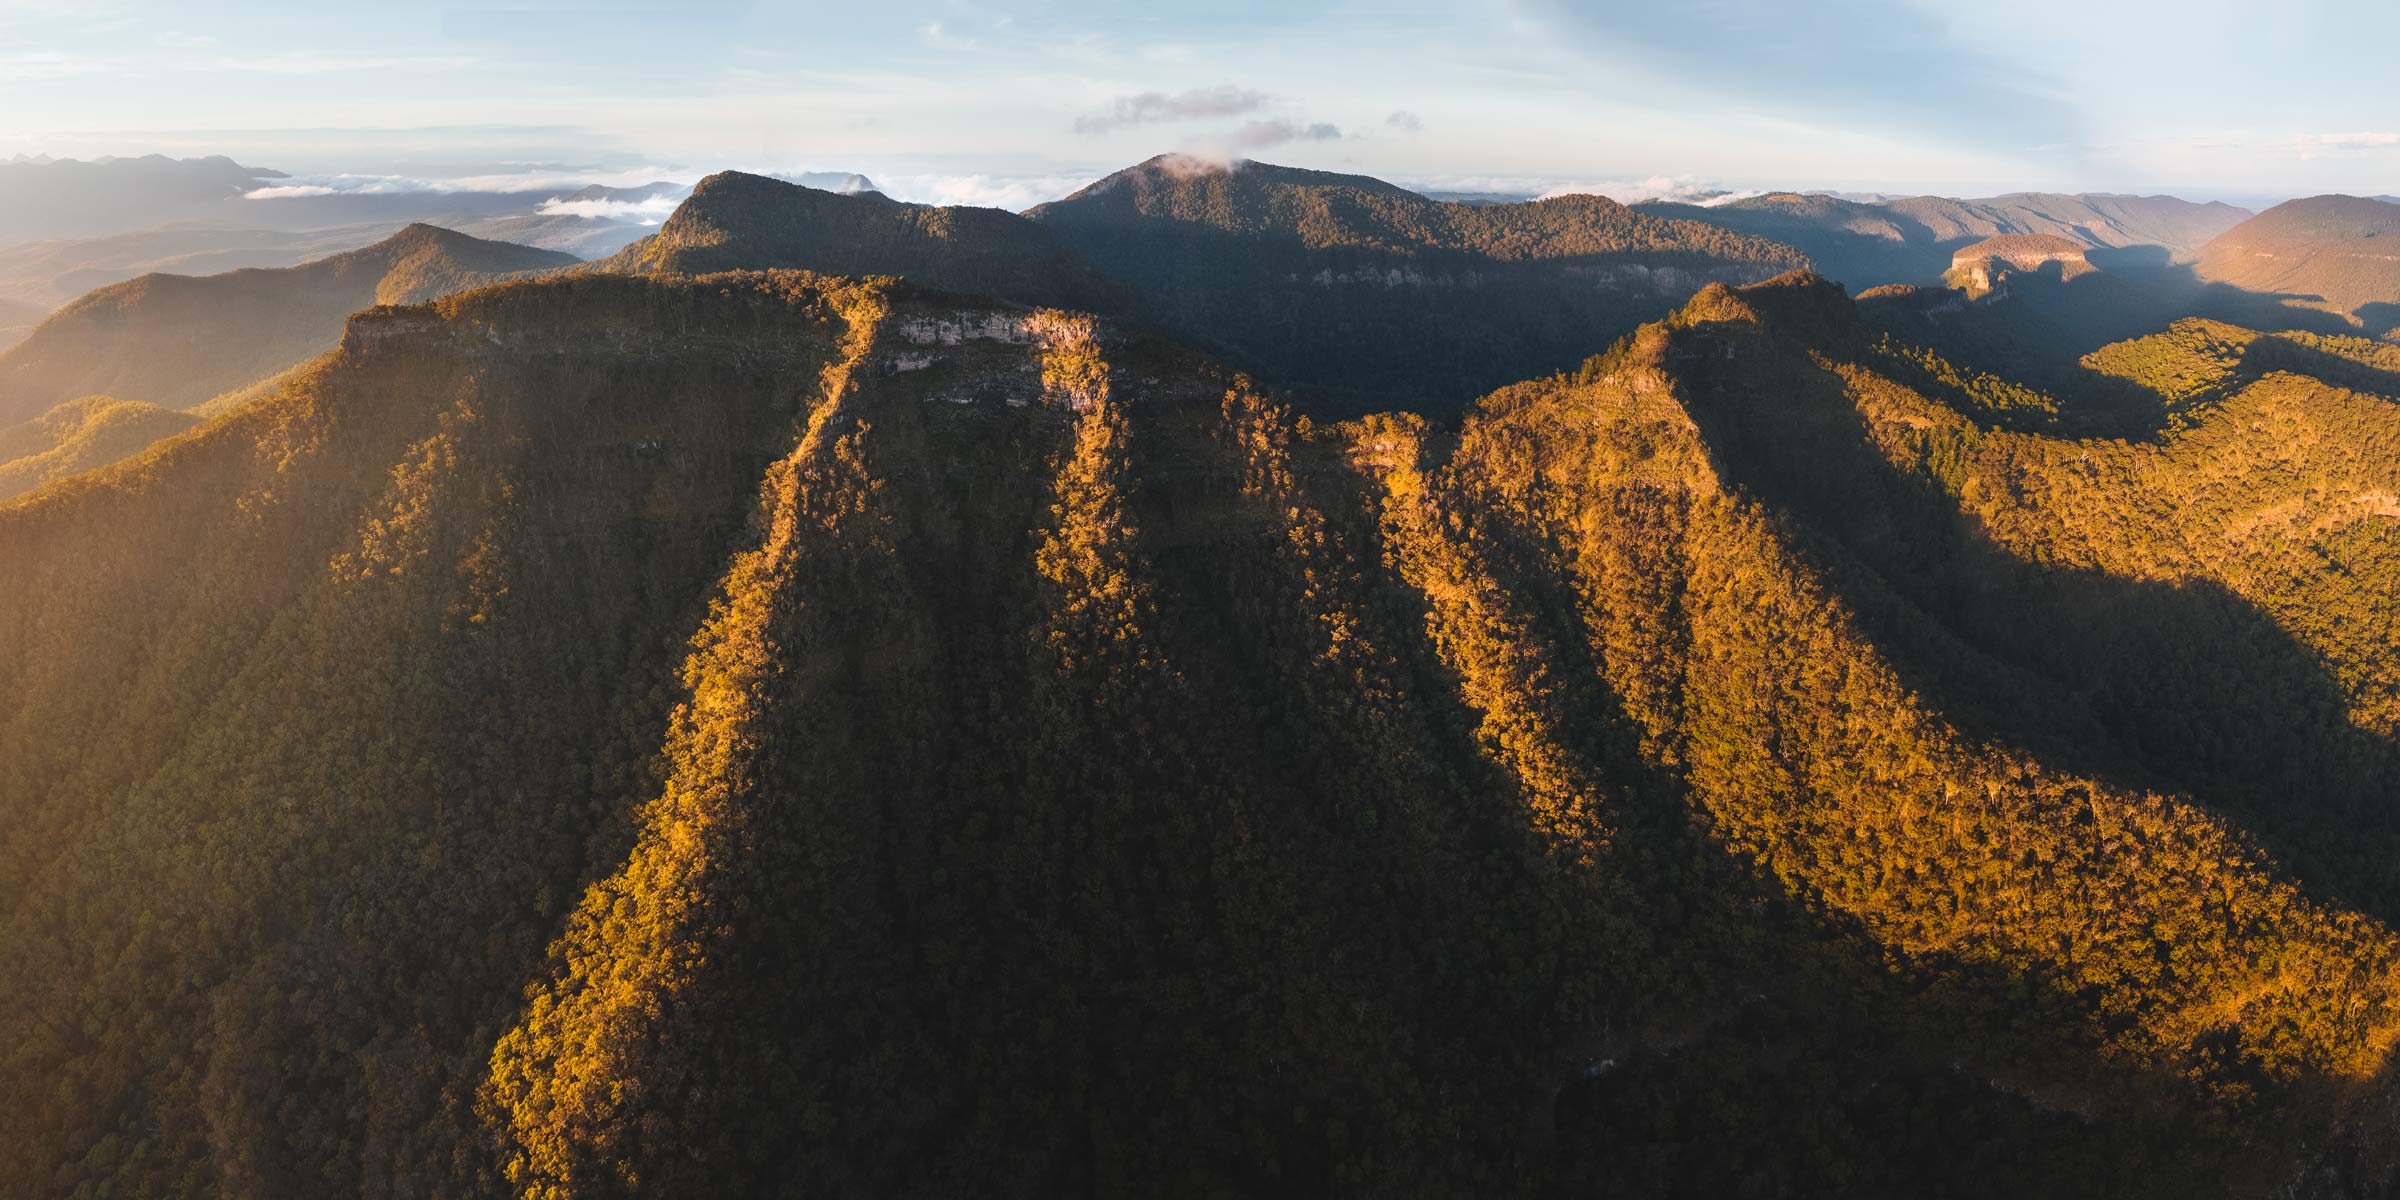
(79, 435)
(768, 734)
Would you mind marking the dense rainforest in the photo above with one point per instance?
(773, 734)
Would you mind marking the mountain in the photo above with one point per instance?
(51, 273)
(848, 183)
(175, 340)
(1910, 240)
(2340, 254)
(766, 734)
(66, 198)
(80, 435)
(734, 221)
(1994, 261)
(17, 319)
(2179, 227)
(590, 222)
(1359, 294)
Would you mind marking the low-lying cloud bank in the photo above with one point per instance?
(505, 183)
(1679, 189)
(649, 210)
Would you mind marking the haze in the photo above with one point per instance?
(1010, 104)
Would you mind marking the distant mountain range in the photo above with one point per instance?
(17, 319)
(2340, 254)
(738, 221)
(47, 274)
(67, 198)
(1342, 288)
(79, 435)
(1355, 293)
(1910, 240)
(175, 340)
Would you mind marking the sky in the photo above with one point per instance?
(1013, 103)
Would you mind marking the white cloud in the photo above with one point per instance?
(2325, 145)
(2352, 139)
(1681, 189)
(1258, 135)
(1013, 192)
(508, 183)
(50, 64)
(649, 210)
(1151, 108)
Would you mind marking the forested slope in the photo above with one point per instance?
(770, 735)
(1359, 296)
(177, 340)
(79, 435)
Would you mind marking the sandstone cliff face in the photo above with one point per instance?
(1983, 267)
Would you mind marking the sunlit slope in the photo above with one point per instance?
(2328, 252)
(763, 735)
(78, 436)
(177, 340)
(321, 715)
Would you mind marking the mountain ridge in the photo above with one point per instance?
(675, 712)
(177, 340)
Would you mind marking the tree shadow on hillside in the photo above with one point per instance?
(2381, 318)
(2131, 260)
(2038, 332)
(1352, 329)
(2180, 686)
(2278, 354)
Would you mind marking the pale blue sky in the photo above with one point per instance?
(1008, 102)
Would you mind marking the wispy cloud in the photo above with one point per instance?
(506, 184)
(1152, 108)
(1405, 121)
(1258, 135)
(1897, 66)
(1681, 189)
(1013, 192)
(50, 64)
(314, 62)
(939, 34)
(2319, 145)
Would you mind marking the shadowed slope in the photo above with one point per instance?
(735, 221)
(1359, 295)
